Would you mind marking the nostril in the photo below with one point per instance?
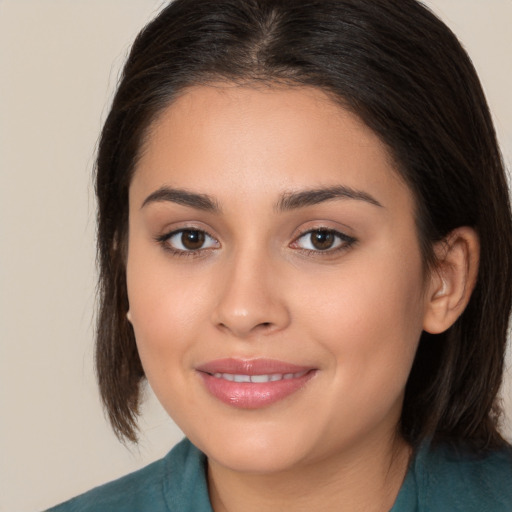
(249, 316)
(264, 327)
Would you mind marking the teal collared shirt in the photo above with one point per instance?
(439, 480)
(449, 479)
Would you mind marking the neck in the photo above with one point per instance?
(366, 478)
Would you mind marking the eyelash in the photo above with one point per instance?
(164, 241)
(344, 242)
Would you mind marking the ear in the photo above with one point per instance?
(452, 281)
(129, 316)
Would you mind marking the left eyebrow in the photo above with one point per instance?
(183, 197)
(294, 200)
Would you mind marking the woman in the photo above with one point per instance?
(304, 243)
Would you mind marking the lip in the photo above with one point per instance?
(253, 395)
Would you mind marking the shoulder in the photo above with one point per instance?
(173, 483)
(455, 479)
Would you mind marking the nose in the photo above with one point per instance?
(250, 300)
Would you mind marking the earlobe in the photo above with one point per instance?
(453, 279)
(129, 316)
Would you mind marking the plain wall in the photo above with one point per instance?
(59, 63)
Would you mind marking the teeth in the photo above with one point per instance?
(272, 377)
(260, 378)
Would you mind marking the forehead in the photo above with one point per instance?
(226, 138)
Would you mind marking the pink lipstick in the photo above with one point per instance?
(251, 384)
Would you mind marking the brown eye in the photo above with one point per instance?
(192, 239)
(188, 240)
(322, 239)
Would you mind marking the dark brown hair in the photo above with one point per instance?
(404, 73)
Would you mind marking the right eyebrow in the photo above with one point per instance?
(183, 197)
(304, 198)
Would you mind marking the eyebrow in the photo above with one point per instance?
(294, 200)
(288, 201)
(183, 197)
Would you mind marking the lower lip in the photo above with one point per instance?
(249, 395)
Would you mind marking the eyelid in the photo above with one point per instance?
(344, 241)
(164, 239)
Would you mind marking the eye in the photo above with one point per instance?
(188, 240)
(323, 239)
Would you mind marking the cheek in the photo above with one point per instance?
(166, 308)
(369, 317)
(166, 317)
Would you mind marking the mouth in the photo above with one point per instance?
(259, 379)
(253, 384)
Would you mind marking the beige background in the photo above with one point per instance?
(59, 62)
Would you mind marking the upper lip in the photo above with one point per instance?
(250, 366)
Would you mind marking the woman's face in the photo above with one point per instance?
(274, 275)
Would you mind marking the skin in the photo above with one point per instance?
(257, 288)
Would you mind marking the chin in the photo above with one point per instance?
(253, 452)
(257, 461)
